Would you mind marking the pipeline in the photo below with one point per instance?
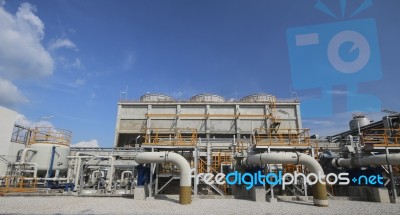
(124, 173)
(92, 157)
(23, 155)
(319, 189)
(373, 160)
(29, 164)
(181, 162)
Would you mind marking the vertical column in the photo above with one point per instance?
(299, 124)
(238, 128)
(117, 125)
(207, 122)
(393, 186)
(152, 168)
(267, 111)
(196, 164)
(177, 119)
(148, 122)
(209, 154)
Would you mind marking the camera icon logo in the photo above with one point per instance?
(358, 41)
(341, 53)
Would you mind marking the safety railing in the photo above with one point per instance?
(14, 184)
(282, 137)
(49, 135)
(202, 168)
(168, 137)
(381, 137)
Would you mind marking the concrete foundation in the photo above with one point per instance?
(371, 194)
(271, 200)
(141, 193)
(381, 194)
(258, 194)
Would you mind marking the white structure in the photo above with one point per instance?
(209, 115)
(8, 149)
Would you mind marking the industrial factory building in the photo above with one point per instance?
(202, 116)
(207, 146)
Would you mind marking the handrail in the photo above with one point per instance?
(50, 135)
(174, 137)
(381, 137)
(290, 137)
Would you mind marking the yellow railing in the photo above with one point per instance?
(291, 168)
(168, 137)
(202, 168)
(221, 158)
(49, 135)
(241, 147)
(18, 184)
(380, 137)
(282, 137)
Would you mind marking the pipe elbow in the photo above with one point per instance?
(310, 163)
(24, 153)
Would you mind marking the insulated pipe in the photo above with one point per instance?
(24, 152)
(123, 174)
(373, 160)
(319, 189)
(111, 173)
(97, 171)
(78, 166)
(184, 167)
(87, 156)
(29, 164)
(47, 179)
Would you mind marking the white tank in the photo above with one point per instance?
(358, 120)
(207, 98)
(156, 98)
(43, 140)
(261, 97)
(43, 153)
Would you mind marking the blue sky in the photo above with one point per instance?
(72, 59)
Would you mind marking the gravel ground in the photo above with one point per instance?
(114, 205)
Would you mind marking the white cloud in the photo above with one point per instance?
(130, 59)
(62, 43)
(21, 51)
(10, 94)
(91, 143)
(77, 64)
(80, 82)
(40, 122)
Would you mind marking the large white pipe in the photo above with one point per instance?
(319, 189)
(176, 159)
(111, 173)
(78, 169)
(373, 160)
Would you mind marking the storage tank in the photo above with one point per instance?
(156, 98)
(358, 120)
(207, 97)
(43, 140)
(261, 97)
